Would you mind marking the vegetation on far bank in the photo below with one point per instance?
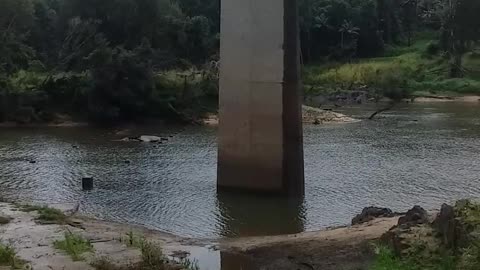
(128, 60)
(419, 70)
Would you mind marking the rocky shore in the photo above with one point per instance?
(310, 115)
(451, 229)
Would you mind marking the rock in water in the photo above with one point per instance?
(148, 138)
(370, 213)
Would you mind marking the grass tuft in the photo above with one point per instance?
(133, 240)
(8, 257)
(386, 260)
(74, 245)
(152, 259)
(46, 215)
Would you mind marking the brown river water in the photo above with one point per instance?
(424, 154)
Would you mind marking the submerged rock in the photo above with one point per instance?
(144, 138)
(370, 213)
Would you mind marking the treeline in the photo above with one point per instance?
(105, 60)
(346, 29)
(120, 60)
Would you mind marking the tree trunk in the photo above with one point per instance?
(341, 43)
(456, 70)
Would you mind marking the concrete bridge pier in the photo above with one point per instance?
(260, 132)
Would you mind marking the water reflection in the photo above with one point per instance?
(253, 215)
(207, 258)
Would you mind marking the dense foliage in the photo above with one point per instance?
(130, 59)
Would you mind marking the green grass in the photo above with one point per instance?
(74, 245)
(152, 259)
(411, 68)
(8, 257)
(387, 260)
(423, 257)
(46, 215)
(133, 240)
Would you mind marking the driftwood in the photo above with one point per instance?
(389, 107)
(183, 117)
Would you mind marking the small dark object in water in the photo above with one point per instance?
(164, 139)
(127, 161)
(74, 146)
(32, 161)
(87, 183)
(170, 136)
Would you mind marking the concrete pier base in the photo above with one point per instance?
(260, 131)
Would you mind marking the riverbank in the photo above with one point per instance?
(34, 233)
(33, 241)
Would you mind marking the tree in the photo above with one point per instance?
(348, 29)
(461, 30)
(16, 17)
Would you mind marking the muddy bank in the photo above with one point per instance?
(37, 125)
(440, 98)
(347, 248)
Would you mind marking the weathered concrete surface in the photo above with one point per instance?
(260, 132)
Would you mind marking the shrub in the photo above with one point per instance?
(74, 245)
(433, 48)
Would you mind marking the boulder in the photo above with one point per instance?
(416, 215)
(149, 138)
(370, 213)
(444, 223)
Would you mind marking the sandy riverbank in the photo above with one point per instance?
(439, 98)
(327, 249)
(310, 115)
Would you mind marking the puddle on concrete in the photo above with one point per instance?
(208, 258)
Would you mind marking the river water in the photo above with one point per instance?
(424, 154)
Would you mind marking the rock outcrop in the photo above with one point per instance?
(416, 215)
(313, 115)
(371, 213)
(310, 115)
